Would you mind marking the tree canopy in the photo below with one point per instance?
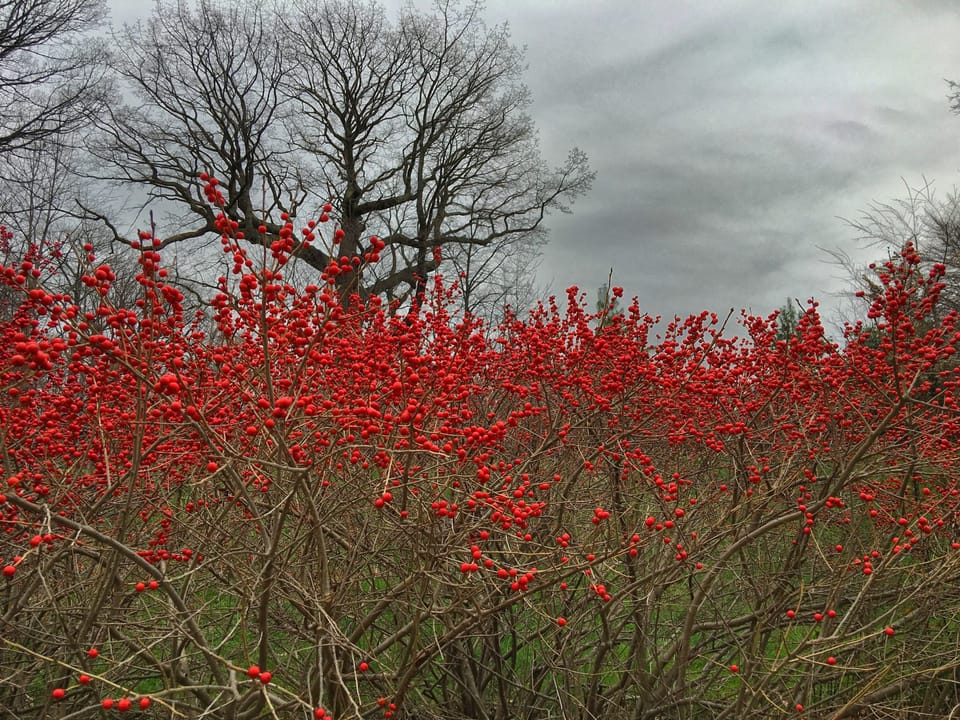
(416, 131)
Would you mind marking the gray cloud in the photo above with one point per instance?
(729, 143)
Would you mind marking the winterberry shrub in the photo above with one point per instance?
(289, 507)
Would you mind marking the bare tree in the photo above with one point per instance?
(36, 187)
(206, 78)
(348, 87)
(416, 130)
(423, 135)
(51, 77)
(40, 194)
(930, 224)
(496, 278)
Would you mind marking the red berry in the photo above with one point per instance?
(561, 621)
(153, 584)
(266, 677)
(734, 668)
(364, 666)
(83, 679)
(140, 587)
(144, 703)
(831, 660)
(212, 467)
(889, 631)
(93, 652)
(107, 703)
(9, 570)
(253, 671)
(123, 704)
(58, 693)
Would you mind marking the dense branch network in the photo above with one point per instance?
(416, 131)
(50, 79)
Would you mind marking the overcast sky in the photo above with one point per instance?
(729, 136)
